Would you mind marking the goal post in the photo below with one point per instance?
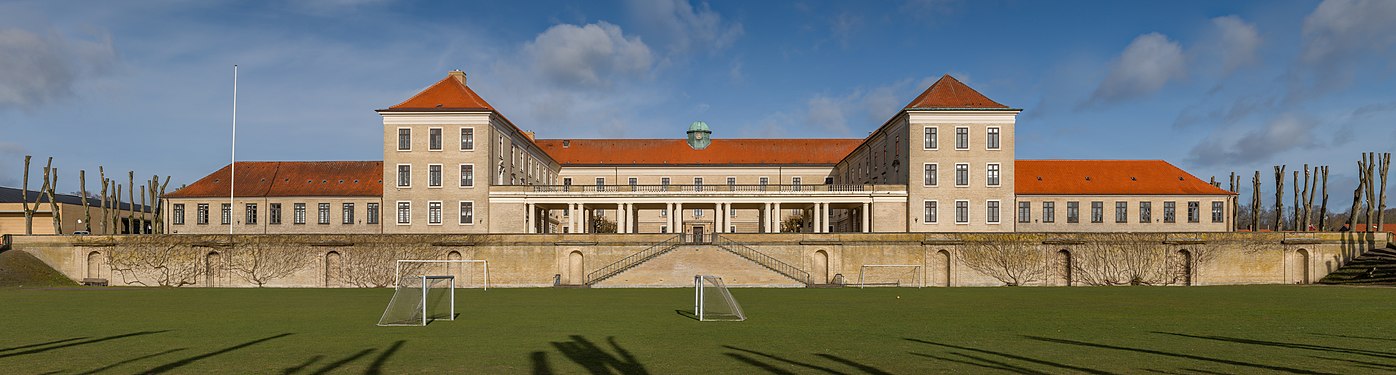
(713, 302)
(469, 273)
(896, 275)
(418, 300)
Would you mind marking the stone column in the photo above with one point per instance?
(867, 218)
(528, 218)
(776, 219)
(572, 217)
(721, 214)
(678, 218)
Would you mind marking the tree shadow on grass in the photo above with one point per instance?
(1012, 356)
(754, 362)
(340, 363)
(1355, 337)
(302, 366)
(184, 362)
(376, 367)
(591, 357)
(72, 344)
(147, 356)
(41, 344)
(687, 314)
(983, 362)
(1333, 349)
(1364, 364)
(1177, 355)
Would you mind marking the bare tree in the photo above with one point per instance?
(1323, 206)
(1381, 199)
(131, 196)
(1125, 259)
(116, 218)
(1255, 202)
(86, 208)
(159, 206)
(260, 262)
(24, 198)
(1362, 181)
(106, 211)
(1294, 216)
(1011, 258)
(168, 261)
(56, 214)
(1279, 197)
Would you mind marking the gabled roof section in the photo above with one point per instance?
(448, 94)
(1107, 177)
(676, 152)
(291, 179)
(950, 93)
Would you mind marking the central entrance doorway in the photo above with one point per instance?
(697, 233)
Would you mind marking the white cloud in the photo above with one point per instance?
(1237, 40)
(1341, 29)
(683, 28)
(39, 69)
(1145, 66)
(593, 55)
(1282, 134)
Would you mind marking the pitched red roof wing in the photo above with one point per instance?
(1107, 177)
(949, 92)
(677, 152)
(447, 94)
(292, 179)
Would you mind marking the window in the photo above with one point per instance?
(992, 212)
(930, 214)
(1121, 212)
(467, 212)
(434, 175)
(404, 139)
(697, 184)
(993, 141)
(371, 217)
(178, 214)
(1217, 211)
(404, 212)
(765, 181)
(1024, 212)
(1073, 212)
(731, 183)
(993, 174)
(1049, 212)
(467, 139)
(274, 213)
(697, 212)
(1146, 212)
(434, 212)
(961, 212)
(795, 181)
(404, 175)
(566, 183)
(434, 139)
(1194, 212)
(322, 213)
(633, 182)
(1097, 212)
(662, 229)
(600, 184)
(467, 175)
(931, 178)
(347, 213)
(298, 213)
(830, 180)
(1170, 212)
(250, 214)
(932, 140)
(202, 215)
(227, 213)
(664, 182)
(664, 212)
(961, 174)
(961, 138)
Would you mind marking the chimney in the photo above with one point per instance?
(459, 75)
(529, 135)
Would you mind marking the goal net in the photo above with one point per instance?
(713, 302)
(468, 273)
(420, 300)
(903, 275)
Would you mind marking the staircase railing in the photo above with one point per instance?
(762, 259)
(633, 260)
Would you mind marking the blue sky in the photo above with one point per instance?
(1211, 86)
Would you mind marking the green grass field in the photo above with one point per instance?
(1176, 330)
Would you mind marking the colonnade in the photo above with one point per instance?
(578, 216)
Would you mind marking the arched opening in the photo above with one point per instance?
(334, 269)
(821, 267)
(454, 269)
(1063, 269)
(1185, 267)
(213, 267)
(95, 264)
(944, 258)
(1301, 267)
(576, 270)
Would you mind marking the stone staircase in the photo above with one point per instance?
(633, 260)
(691, 260)
(1374, 267)
(762, 259)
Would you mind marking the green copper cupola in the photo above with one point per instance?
(699, 136)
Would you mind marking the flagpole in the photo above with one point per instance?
(232, 165)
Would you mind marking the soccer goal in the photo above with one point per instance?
(713, 302)
(420, 300)
(907, 275)
(468, 273)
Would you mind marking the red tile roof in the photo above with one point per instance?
(292, 179)
(677, 152)
(1107, 177)
(448, 94)
(950, 93)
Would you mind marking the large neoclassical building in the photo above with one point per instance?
(452, 163)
